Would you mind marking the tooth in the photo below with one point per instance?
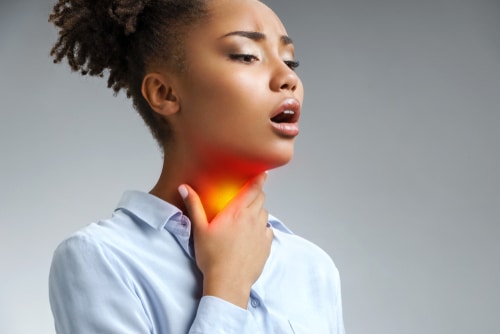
(289, 112)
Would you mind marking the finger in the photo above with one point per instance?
(258, 201)
(264, 218)
(269, 233)
(261, 179)
(194, 207)
(250, 191)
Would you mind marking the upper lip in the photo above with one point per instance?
(289, 104)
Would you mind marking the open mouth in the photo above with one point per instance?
(287, 116)
(285, 120)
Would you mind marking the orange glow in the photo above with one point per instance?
(220, 196)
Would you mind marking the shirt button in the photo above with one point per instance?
(255, 303)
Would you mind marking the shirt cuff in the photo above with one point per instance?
(216, 315)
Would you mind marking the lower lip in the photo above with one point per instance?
(286, 129)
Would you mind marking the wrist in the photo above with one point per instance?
(231, 291)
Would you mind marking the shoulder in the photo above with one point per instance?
(302, 259)
(99, 243)
(90, 262)
(107, 235)
(305, 252)
(89, 276)
(82, 251)
(299, 248)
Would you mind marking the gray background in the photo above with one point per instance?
(395, 174)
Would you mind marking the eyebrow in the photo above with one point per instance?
(257, 36)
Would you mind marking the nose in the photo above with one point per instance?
(284, 78)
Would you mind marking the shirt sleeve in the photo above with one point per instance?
(217, 316)
(89, 293)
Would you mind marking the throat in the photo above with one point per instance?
(218, 196)
(217, 192)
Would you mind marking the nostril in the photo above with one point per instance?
(288, 86)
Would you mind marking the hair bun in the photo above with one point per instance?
(125, 13)
(93, 35)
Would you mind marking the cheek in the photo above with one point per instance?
(215, 105)
(227, 95)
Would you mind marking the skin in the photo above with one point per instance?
(219, 109)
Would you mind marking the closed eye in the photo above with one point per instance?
(293, 64)
(244, 58)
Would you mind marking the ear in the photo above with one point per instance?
(158, 90)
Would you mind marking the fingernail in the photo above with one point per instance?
(183, 191)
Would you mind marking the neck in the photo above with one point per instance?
(216, 191)
(215, 187)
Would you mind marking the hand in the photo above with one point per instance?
(232, 249)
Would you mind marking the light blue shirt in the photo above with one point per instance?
(135, 273)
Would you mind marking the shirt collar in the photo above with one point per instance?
(160, 215)
(148, 208)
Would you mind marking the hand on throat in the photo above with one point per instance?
(217, 191)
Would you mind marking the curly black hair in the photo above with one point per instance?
(120, 38)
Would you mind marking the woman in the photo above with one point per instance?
(214, 80)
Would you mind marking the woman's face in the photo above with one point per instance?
(239, 95)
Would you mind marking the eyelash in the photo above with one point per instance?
(248, 58)
(293, 64)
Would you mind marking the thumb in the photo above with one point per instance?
(194, 207)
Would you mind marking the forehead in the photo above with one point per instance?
(251, 15)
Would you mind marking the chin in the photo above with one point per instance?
(281, 158)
